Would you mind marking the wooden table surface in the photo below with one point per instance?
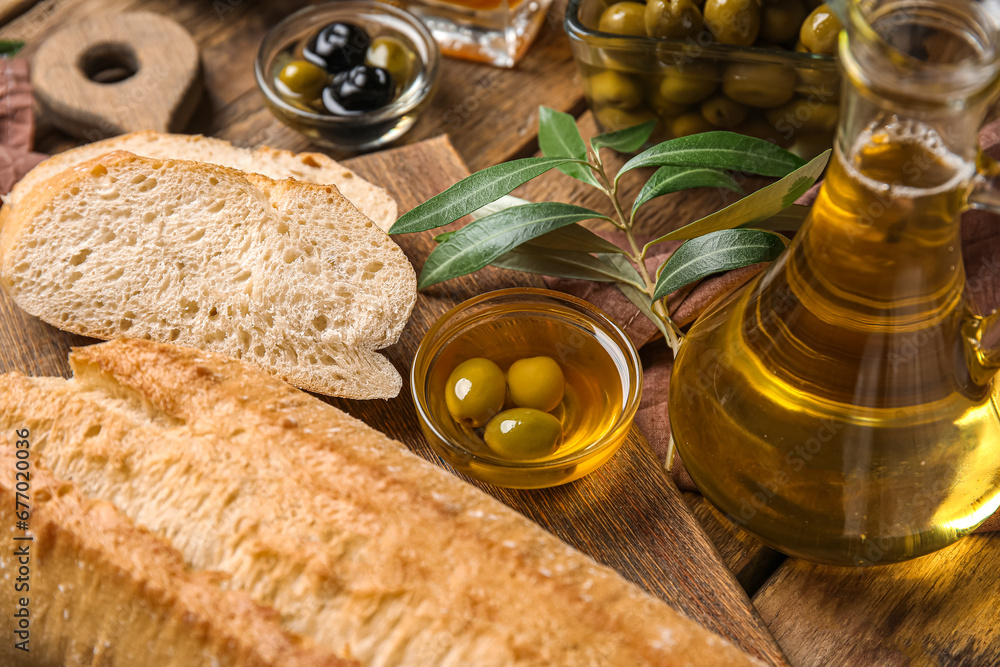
(938, 610)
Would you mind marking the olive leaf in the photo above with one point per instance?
(627, 140)
(480, 242)
(761, 205)
(574, 238)
(558, 136)
(673, 179)
(474, 192)
(564, 264)
(10, 47)
(718, 150)
(719, 251)
(507, 201)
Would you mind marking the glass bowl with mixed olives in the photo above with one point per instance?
(526, 388)
(351, 75)
(765, 68)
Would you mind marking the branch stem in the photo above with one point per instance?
(638, 257)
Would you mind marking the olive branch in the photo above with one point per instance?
(547, 238)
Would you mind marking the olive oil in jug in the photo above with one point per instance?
(838, 407)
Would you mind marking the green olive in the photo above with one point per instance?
(733, 21)
(806, 115)
(303, 79)
(763, 85)
(475, 391)
(820, 31)
(392, 55)
(536, 382)
(688, 85)
(760, 128)
(624, 18)
(612, 89)
(612, 119)
(523, 434)
(675, 19)
(723, 112)
(661, 105)
(809, 145)
(690, 123)
(780, 20)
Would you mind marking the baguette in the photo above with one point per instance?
(370, 199)
(288, 276)
(360, 545)
(99, 590)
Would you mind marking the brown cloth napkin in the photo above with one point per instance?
(17, 123)
(980, 246)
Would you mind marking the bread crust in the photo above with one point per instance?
(373, 201)
(102, 591)
(358, 543)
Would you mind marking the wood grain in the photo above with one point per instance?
(937, 610)
(490, 114)
(12, 8)
(746, 557)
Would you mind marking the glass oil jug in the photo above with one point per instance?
(841, 407)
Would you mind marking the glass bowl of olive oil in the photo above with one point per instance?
(601, 387)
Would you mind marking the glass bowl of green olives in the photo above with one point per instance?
(350, 75)
(526, 388)
(765, 68)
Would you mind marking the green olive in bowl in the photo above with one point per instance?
(624, 18)
(675, 19)
(733, 21)
(303, 80)
(688, 84)
(475, 391)
(806, 115)
(523, 434)
(536, 382)
(613, 89)
(762, 85)
(722, 112)
(820, 31)
(760, 128)
(611, 118)
(690, 123)
(780, 20)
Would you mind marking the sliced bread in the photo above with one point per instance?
(372, 552)
(285, 275)
(370, 199)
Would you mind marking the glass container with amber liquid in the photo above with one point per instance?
(842, 407)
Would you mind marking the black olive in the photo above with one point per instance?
(338, 47)
(361, 89)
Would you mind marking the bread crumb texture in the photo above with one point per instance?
(286, 276)
(368, 550)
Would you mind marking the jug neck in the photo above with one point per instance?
(919, 65)
(882, 243)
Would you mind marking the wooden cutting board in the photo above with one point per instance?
(626, 515)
